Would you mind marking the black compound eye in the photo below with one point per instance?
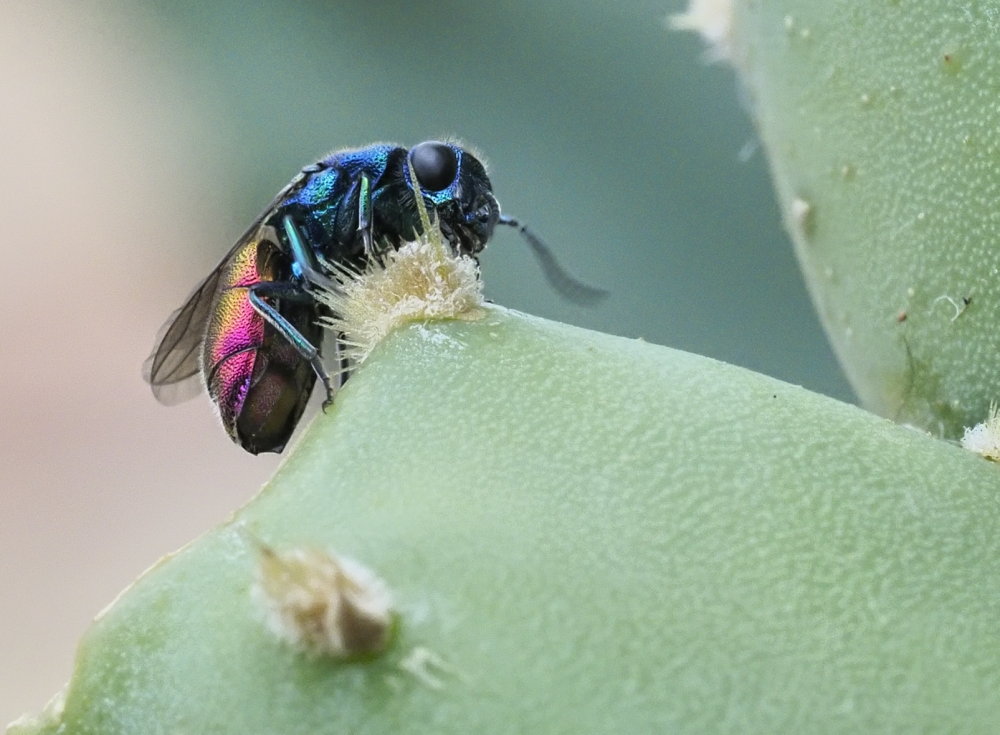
(434, 164)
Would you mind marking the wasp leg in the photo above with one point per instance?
(365, 217)
(345, 363)
(271, 315)
(304, 260)
(345, 366)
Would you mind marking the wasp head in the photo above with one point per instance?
(454, 183)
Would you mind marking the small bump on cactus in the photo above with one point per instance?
(322, 604)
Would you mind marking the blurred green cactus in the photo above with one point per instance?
(881, 124)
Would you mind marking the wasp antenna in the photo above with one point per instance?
(558, 277)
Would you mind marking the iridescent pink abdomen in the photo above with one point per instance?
(255, 377)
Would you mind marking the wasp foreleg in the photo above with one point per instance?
(365, 217)
(306, 265)
(272, 316)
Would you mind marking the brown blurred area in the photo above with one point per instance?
(100, 216)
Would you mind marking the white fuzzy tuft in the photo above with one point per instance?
(420, 281)
(984, 438)
(322, 604)
(713, 19)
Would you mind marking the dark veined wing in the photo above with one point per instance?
(172, 369)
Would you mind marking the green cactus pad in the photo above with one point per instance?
(581, 533)
(881, 123)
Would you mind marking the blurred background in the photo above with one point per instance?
(140, 138)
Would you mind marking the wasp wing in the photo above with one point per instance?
(172, 369)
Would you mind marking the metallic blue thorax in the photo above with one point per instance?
(328, 202)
